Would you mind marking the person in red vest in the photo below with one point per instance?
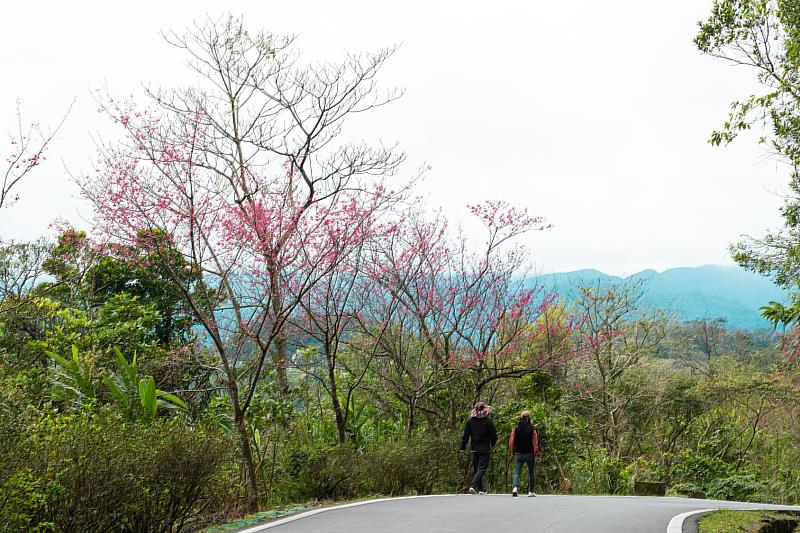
(524, 444)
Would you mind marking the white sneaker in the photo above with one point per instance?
(531, 495)
(472, 490)
(481, 492)
(514, 492)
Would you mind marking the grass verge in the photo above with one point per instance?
(748, 522)
(255, 519)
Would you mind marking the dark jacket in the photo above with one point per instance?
(482, 433)
(524, 440)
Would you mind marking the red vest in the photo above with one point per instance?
(517, 447)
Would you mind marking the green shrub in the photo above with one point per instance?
(700, 470)
(330, 473)
(557, 437)
(21, 495)
(420, 464)
(103, 473)
(786, 485)
(743, 488)
(598, 473)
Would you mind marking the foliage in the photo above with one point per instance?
(86, 276)
(596, 472)
(103, 473)
(765, 36)
(412, 465)
(126, 387)
(76, 381)
(121, 320)
(741, 488)
(700, 471)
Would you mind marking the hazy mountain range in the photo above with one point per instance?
(709, 291)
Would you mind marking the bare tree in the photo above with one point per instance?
(21, 267)
(615, 334)
(709, 335)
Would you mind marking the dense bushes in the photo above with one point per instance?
(420, 464)
(102, 473)
(700, 470)
(598, 473)
(743, 488)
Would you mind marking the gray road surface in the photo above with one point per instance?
(501, 513)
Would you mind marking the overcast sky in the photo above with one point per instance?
(593, 114)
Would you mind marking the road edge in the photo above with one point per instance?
(305, 514)
(676, 524)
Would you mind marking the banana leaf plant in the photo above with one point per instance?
(73, 380)
(137, 396)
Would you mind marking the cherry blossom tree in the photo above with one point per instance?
(245, 178)
(451, 308)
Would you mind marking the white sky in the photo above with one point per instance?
(593, 114)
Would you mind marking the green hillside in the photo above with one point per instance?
(708, 291)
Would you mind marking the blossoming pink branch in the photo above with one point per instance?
(450, 308)
(27, 147)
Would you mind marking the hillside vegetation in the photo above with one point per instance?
(114, 413)
(262, 312)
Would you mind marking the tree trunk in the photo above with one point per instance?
(411, 415)
(337, 405)
(279, 348)
(247, 453)
(279, 360)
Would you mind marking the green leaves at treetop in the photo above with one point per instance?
(778, 314)
(764, 35)
(87, 277)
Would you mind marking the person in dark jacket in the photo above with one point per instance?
(524, 444)
(481, 431)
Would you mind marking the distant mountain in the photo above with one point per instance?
(708, 291)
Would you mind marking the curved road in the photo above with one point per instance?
(501, 513)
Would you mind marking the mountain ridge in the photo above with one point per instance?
(708, 291)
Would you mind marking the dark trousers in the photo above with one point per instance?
(480, 462)
(524, 459)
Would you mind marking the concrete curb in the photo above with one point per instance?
(676, 524)
(281, 521)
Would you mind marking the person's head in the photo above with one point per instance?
(481, 410)
(524, 420)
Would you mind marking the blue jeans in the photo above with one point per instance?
(480, 462)
(519, 460)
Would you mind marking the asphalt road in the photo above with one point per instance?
(501, 513)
